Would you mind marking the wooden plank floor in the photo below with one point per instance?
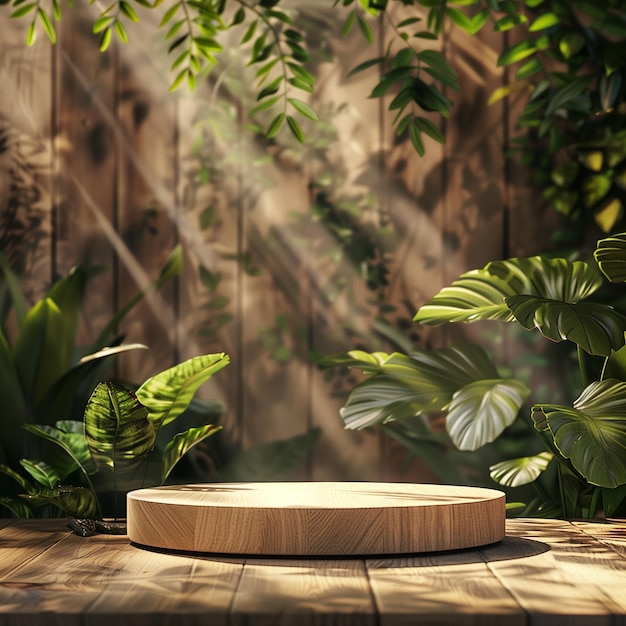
(545, 572)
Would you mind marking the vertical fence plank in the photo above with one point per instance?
(26, 154)
(87, 161)
(341, 311)
(147, 213)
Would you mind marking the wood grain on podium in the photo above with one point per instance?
(315, 519)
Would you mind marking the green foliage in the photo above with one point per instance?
(571, 63)
(585, 443)
(114, 449)
(568, 59)
(45, 378)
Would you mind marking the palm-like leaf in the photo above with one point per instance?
(521, 471)
(182, 443)
(610, 255)
(596, 328)
(483, 294)
(475, 295)
(117, 430)
(480, 411)
(167, 394)
(421, 382)
(592, 434)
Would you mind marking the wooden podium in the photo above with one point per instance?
(315, 518)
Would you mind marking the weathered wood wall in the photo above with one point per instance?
(120, 177)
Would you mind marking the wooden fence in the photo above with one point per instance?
(102, 166)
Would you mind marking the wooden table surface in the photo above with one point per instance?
(544, 572)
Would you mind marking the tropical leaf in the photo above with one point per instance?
(475, 295)
(44, 473)
(74, 501)
(610, 255)
(68, 395)
(615, 366)
(70, 437)
(521, 471)
(480, 411)
(167, 394)
(417, 383)
(117, 429)
(19, 508)
(592, 434)
(182, 443)
(556, 279)
(68, 294)
(38, 361)
(483, 294)
(596, 328)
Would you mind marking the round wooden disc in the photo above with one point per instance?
(316, 518)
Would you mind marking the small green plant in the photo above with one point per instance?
(116, 447)
(584, 444)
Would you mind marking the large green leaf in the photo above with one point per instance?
(610, 255)
(482, 294)
(592, 434)
(596, 328)
(117, 429)
(70, 437)
(616, 365)
(167, 394)
(480, 411)
(182, 443)
(18, 507)
(37, 355)
(475, 295)
(521, 471)
(74, 501)
(68, 294)
(554, 279)
(68, 395)
(367, 362)
(421, 382)
(44, 473)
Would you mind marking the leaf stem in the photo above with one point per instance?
(582, 366)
